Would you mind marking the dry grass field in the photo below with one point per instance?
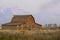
(30, 34)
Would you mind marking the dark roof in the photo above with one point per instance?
(20, 18)
(11, 24)
(22, 15)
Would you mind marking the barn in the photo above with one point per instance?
(18, 22)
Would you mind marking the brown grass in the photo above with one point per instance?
(29, 34)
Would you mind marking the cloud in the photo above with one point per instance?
(5, 15)
(53, 6)
(31, 6)
(44, 11)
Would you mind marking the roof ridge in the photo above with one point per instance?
(22, 15)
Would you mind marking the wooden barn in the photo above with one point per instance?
(18, 22)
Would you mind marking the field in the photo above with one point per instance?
(30, 35)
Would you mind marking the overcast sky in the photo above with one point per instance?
(44, 11)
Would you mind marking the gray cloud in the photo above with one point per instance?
(44, 11)
(28, 5)
(53, 6)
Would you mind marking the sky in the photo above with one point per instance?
(44, 11)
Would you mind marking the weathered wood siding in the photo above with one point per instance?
(9, 27)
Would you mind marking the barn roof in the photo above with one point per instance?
(18, 19)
